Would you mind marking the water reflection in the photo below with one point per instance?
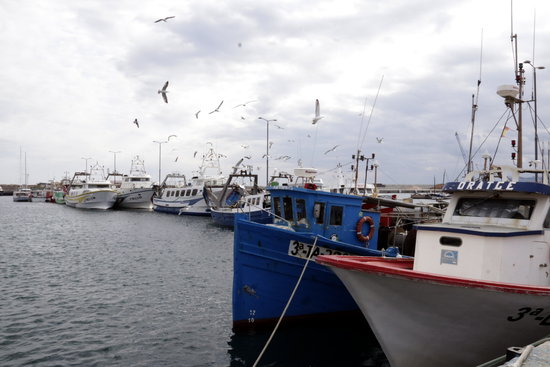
(320, 344)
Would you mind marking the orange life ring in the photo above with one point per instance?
(359, 228)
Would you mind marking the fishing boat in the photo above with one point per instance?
(182, 197)
(23, 193)
(269, 258)
(89, 191)
(136, 189)
(240, 194)
(479, 281)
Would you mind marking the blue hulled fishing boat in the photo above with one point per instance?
(269, 258)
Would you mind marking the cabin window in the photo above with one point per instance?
(177, 193)
(336, 214)
(276, 207)
(494, 207)
(450, 241)
(301, 215)
(319, 212)
(194, 193)
(188, 192)
(287, 208)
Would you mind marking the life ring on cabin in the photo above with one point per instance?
(359, 228)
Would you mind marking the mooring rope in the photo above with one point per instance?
(288, 303)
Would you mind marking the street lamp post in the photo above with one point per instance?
(160, 154)
(535, 101)
(267, 149)
(86, 159)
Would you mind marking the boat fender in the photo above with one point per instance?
(359, 228)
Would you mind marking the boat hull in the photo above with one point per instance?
(21, 199)
(226, 218)
(422, 319)
(195, 207)
(100, 199)
(135, 199)
(265, 275)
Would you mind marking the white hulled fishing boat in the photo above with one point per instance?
(136, 189)
(479, 281)
(183, 197)
(89, 191)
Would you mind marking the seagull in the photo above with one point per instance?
(217, 108)
(136, 122)
(176, 159)
(244, 104)
(317, 113)
(195, 154)
(197, 114)
(247, 157)
(245, 146)
(279, 127)
(265, 155)
(164, 19)
(243, 118)
(291, 140)
(270, 144)
(379, 140)
(332, 149)
(171, 136)
(163, 91)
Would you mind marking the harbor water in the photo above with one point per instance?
(139, 288)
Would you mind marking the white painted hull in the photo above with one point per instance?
(135, 198)
(432, 320)
(98, 199)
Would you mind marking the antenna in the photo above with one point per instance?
(474, 106)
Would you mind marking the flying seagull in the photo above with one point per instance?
(244, 104)
(163, 91)
(195, 154)
(317, 113)
(332, 149)
(175, 136)
(245, 146)
(164, 19)
(379, 140)
(136, 122)
(176, 159)
(197, 113)
(217, 108)
(279, 127)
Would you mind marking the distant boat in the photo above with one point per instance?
(186, 197)
(136, 189)
(23, 193)
(87, 193)
(240, 194)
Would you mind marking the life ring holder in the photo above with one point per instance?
(359, 228)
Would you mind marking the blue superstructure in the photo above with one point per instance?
(268, 258)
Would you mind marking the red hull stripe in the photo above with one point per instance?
(403, 268)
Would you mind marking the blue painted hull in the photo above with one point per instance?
(227, 219)
(265, 275)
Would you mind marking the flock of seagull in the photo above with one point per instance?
(317, 114)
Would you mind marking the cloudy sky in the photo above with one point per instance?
(75, 74)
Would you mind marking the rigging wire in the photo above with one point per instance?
(371, 111)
